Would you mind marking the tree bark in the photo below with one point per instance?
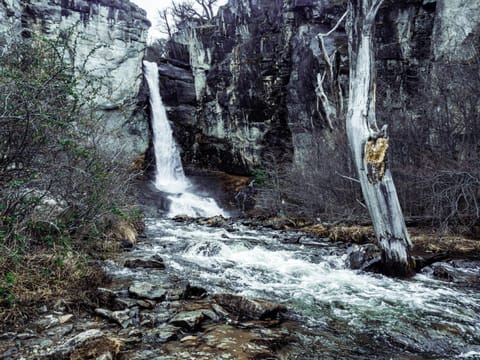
(369, 145)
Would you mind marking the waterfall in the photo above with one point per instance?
(169, 175)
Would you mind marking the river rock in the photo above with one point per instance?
(245, 308)
(62, 351)
(154, 262)
(146, 304)
(180, 291)
(363, 257)
(124, 318)
(162, 334)
(106, 297)
(29, 334)
(65, 318)
(220, 311)
(214, 221)
(47, 321)
(188, 319)
(146, 290)
(462, 272)
(183, 290)
(154, 318)
(60, 331)
(124, 303)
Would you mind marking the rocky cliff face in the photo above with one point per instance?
(108, 39)
(242, 89)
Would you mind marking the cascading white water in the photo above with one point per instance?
(356, 315)
(169, 174)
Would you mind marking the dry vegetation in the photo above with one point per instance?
(433, 154)
(63, 202)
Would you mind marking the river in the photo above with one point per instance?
(343, 313)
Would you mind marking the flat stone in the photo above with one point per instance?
(221, 312)
(162, 334)
(45, 342)
(146, 304)
(245, 308)
(154, 318)
(212, 315)
(61, 330)
(47, 321)
(64, 318)
(145, 290)
(188, 319)
(71, 344)
(124, 303)
(124, 318)
(132, 335)
(152, 262)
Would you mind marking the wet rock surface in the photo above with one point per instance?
(364, 257)
(245, 308)
(149, 261)
(462, 272)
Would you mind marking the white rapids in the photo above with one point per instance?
(417, 316)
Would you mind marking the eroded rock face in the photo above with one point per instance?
(108, 38)
(243, 88)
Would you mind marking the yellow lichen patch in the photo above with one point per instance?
(375, 156)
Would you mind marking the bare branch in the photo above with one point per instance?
(336, 25)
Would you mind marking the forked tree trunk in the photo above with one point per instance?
(369, 144)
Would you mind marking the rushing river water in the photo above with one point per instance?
(345, 313)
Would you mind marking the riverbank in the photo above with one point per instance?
(156, 302)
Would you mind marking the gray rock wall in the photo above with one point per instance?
(250, 76)
(108, 38)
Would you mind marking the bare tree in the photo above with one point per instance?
(166, 26)
(193, 10)
(369, 144)
(181, 13)
(331, 74)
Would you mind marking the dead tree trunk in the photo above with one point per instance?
(369, 145)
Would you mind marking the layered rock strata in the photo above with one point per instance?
(107, 39)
